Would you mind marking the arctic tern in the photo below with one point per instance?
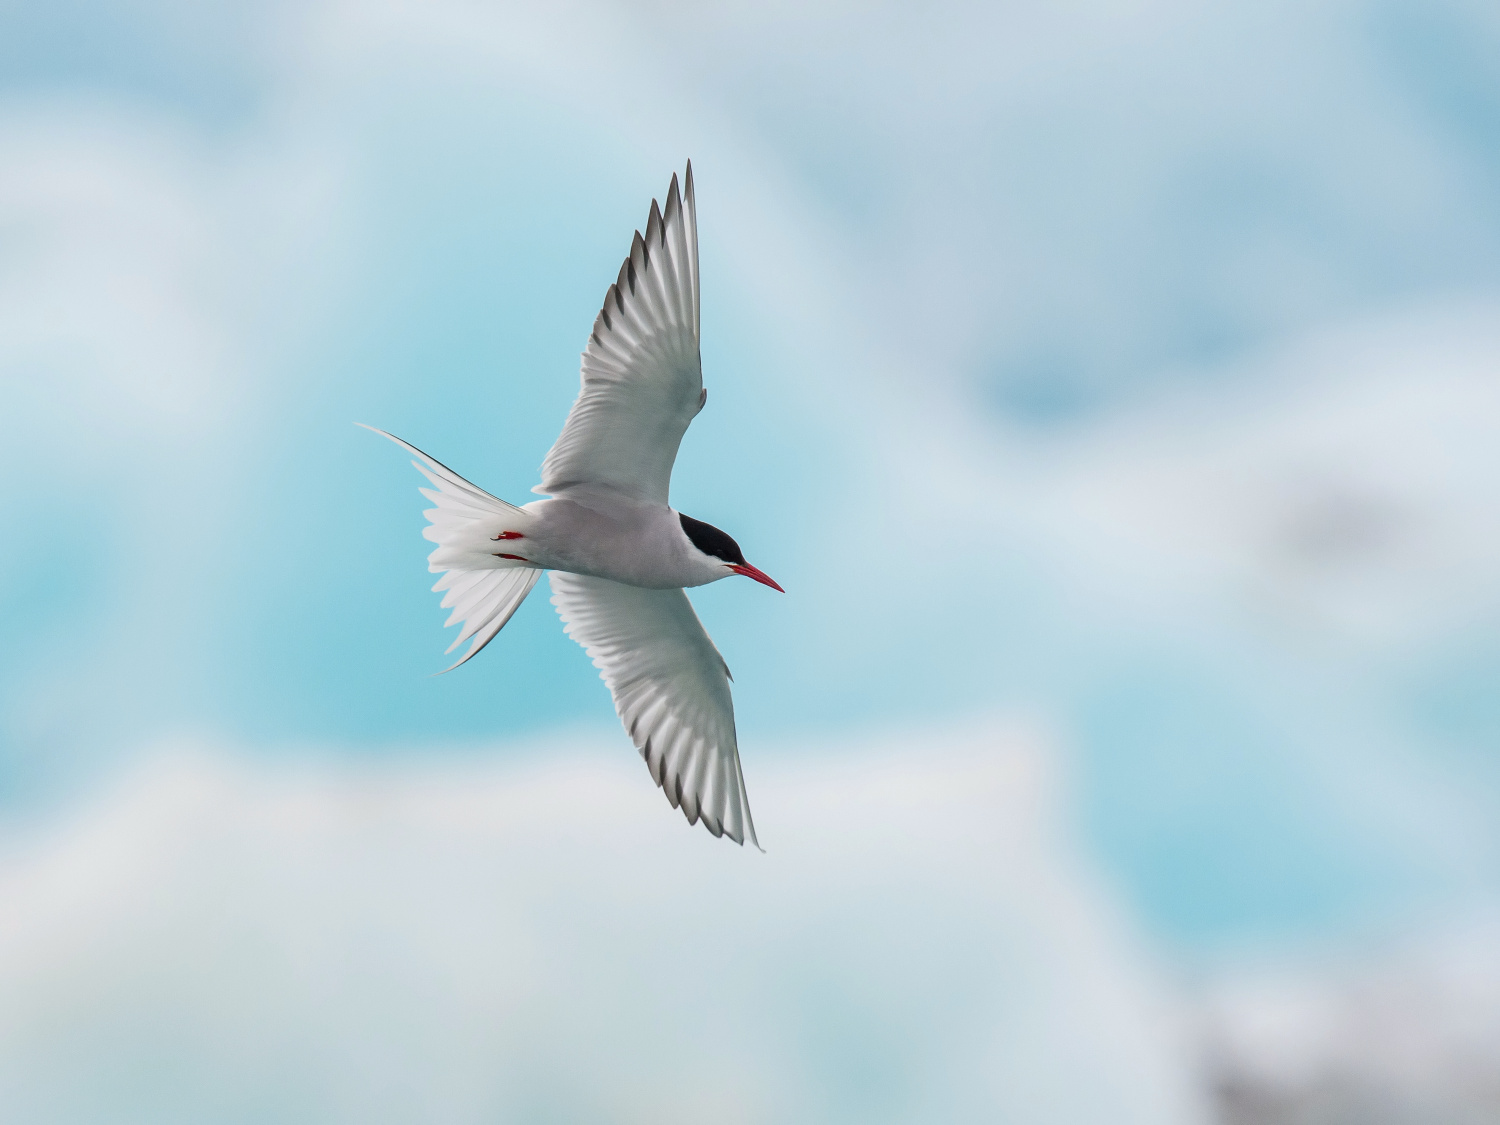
(618, 554)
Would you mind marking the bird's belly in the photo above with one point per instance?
(630, 546)
(630, 575)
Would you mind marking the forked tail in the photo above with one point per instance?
(485, 586)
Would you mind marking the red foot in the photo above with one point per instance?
(518, 558)
(506, 535)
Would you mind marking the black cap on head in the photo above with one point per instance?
(711, 541)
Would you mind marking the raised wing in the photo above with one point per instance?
(642, 379)
(483, 590)
(671, 689)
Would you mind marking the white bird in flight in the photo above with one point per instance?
(618, 553)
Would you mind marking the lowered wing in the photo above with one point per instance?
(671, 690)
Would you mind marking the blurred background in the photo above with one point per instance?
(1114, 387)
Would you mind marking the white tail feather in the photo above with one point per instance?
(488, 605)
(483, 590)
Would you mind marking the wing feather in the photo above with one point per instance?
(671, 690)
(642, 378)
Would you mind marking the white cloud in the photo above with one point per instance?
(463, 941)
(1343, 482)
(110, 317)
(1410, 1033)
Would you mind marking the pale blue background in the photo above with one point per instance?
(1050, 239)
(1056, 224)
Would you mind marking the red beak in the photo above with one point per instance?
(760, 576)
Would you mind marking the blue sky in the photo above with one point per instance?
(397, 231)
(1125, 370)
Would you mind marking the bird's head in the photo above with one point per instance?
(721, 553)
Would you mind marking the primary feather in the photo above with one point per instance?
(642, 380)
(671, 690)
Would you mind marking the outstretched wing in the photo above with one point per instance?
(642, 379)
(671, 689)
